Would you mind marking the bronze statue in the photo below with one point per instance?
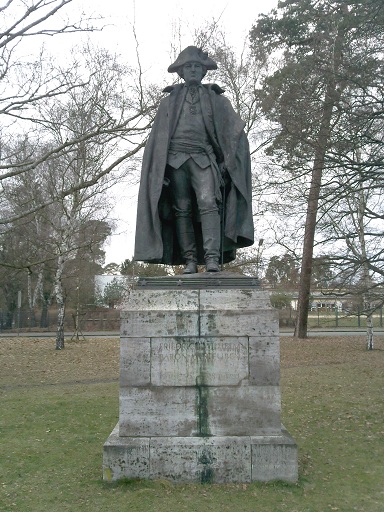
(195, 198)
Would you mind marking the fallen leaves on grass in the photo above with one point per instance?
(34, 361)
(332, 350)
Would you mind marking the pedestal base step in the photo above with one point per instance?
(201, 459)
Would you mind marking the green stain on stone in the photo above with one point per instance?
(207, 473)
(202, 410)
(202, 390)
(203, 350)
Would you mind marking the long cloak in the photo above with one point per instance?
(156, 240)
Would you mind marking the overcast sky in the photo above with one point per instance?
(155, 24)
(155, 21)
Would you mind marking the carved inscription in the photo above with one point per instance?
(196, 361)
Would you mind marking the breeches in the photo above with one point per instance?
(190, 177)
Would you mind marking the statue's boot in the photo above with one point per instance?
(186, 239)
(210, 226)
(190, 268)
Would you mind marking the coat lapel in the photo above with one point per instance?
(176, 100)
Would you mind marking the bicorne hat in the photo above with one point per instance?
(192, 54)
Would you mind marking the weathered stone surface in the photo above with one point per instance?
(234, 300)
(274, 458)
(204, 460)
(188, 361)
(247, 322)
(213, 361)
(201, 459)
(234, 312)
(166, 411)
(264, 361)
(162, 300)
(220, 312)
(159, 323)
(240, 411)
(125, 459)
(135, 362)
(200, 410)
(199, 389)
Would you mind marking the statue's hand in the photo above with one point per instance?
(166, 182)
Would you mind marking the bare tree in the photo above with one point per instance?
(352, 226)
(30, 88)
(54, 197)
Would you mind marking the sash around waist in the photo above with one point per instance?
(179, 146)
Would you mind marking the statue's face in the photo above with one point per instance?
(193, 73)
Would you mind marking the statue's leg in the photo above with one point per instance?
(204, 186)
(182, 205)
(210, 226)
(186, 238)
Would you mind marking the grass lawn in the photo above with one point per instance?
(58, 408)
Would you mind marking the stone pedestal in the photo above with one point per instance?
(199, 385)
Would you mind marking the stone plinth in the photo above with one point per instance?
(200, 387)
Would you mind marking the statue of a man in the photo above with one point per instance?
(195, 198)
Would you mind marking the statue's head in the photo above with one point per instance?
(189, 60)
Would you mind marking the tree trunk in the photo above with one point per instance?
(332, 96)
(366, 275)
(369, 332)
(32, 319)
(33, 295)
(60, 303)
(367, 282)
(60, 325)
(310, 222)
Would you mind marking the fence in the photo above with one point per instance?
(335, 318)
(90, 320)
(330, 318)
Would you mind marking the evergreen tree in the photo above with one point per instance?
(323, 53)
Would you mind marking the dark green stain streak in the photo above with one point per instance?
(206, 459)
(202, 396)
(202, 410)
(202, 390)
